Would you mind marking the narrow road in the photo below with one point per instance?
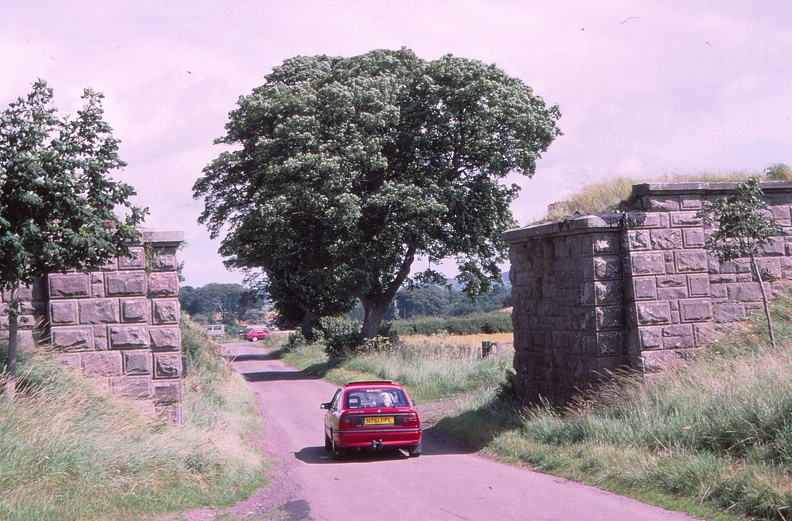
(448, 482)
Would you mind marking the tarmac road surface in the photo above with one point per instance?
(448, 482)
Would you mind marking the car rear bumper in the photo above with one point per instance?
(382, 437)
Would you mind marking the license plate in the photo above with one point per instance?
(378, 420)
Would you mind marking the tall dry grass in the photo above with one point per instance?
(430, 367)
(610, 194)
(71, 451)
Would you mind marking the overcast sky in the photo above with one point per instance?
(645, 87)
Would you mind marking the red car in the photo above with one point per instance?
(254, 335)
(371, 415)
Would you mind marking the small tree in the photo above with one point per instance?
(743, 227)
(57, 207)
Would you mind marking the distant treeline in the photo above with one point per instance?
(473, 324)
(439, 301)
(420, 310)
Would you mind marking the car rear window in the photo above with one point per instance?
(376, 398)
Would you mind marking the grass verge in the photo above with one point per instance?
(71, 451)
(713, 438)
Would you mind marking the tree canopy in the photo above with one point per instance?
(345, 170)
(57, 205)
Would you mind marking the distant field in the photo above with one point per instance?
(457, 340)
(469, 343)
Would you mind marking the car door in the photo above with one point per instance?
(333, 412)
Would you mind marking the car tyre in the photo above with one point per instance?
(254, 339)
(338, 452)
(328, 442)
(415, 450)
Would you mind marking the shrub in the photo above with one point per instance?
(778, 172)
(296, 339)
(342, 336)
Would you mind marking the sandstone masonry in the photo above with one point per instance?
(597, 293)
(119, 325)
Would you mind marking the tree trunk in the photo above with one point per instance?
(13, 342)
(374, 314)
(306, 327)
(765, 301)
(376, 305)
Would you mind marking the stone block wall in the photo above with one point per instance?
(119, 325)
(635, 289)
(568, 319)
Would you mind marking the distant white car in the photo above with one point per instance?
(215, 330)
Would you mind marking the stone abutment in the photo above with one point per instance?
(118, 325)
(598, 293)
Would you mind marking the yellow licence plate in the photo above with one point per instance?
(378, 420)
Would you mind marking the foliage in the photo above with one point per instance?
(349, 168)
(294, 341)
(301, 295)
(429, 371)
(57, 205)
(202, 353)
(415, 301)
(434, 300)
(743, 227)
(422, 301)
(341, 335)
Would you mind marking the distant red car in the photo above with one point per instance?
(371, 415)
(254, 335)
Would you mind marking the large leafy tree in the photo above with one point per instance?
(57, 205)
(345, 170)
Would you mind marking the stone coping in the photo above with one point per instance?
(582, 224)
(700, 188)
(163, 237)
(609, 221)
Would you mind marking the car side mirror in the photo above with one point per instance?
(325, 405)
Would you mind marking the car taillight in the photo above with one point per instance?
(346, 421)
(410, 420)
